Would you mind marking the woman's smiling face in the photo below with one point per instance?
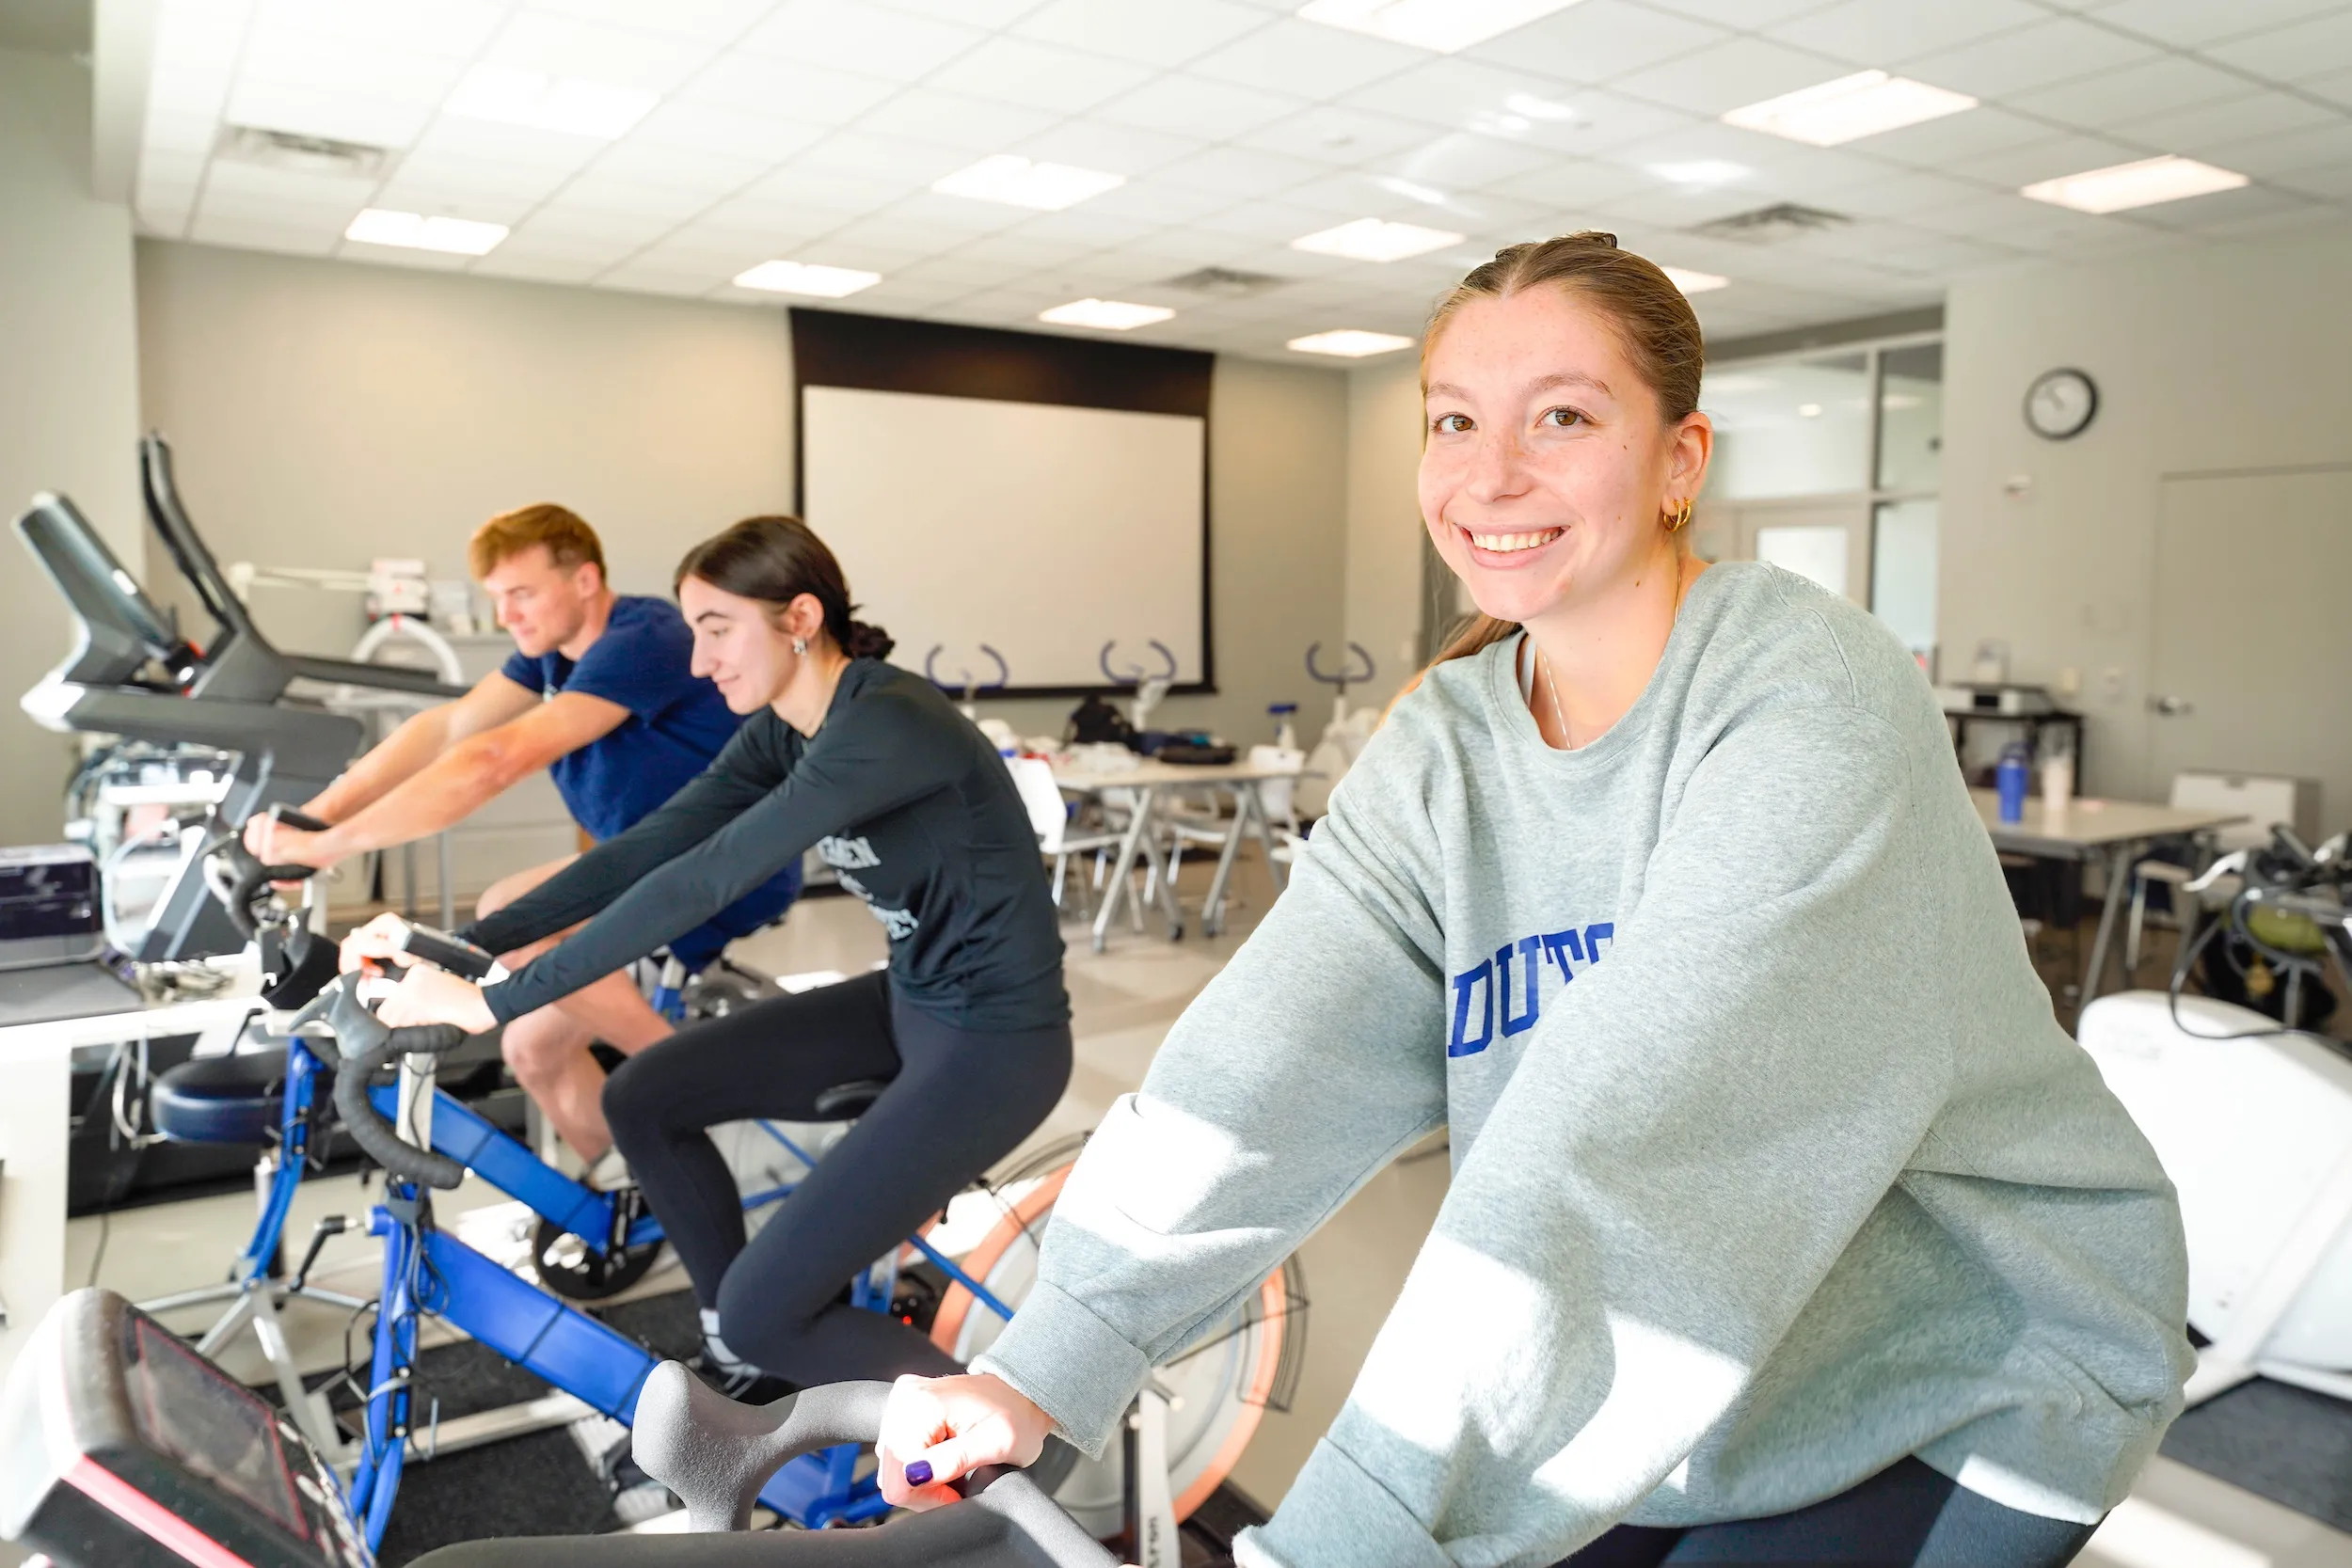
(1546, 465)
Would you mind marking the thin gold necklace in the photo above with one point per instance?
(1551, 686)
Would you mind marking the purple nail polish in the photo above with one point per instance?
(919, 1472)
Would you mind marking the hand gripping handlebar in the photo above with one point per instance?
(717, 1454)
(243, 877)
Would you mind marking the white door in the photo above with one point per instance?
(2251, 641)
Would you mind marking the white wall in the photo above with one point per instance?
(1384, 529)
(2223, 357)
(325, 412)
(68, 394)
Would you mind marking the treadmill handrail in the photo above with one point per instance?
(197, 564)
(187, 548)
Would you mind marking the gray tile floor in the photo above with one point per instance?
(1125, 1001)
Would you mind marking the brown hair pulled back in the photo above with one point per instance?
(775, 560)
(1653, 321)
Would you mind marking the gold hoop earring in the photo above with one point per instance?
(1678, 521)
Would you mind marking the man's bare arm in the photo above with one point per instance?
(418, 743)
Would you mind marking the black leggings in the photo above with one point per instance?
(958, 1101)
(1906, 1516)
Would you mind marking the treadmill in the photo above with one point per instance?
(133, 674)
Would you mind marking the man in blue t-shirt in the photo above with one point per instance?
(598, 692)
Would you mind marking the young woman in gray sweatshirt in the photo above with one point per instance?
(1786, 1224)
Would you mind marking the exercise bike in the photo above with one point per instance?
(1190, 1429)
(119, 1448)
(2252, 1120)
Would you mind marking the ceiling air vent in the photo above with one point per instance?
(1224, 282)
(1782, 220)
(289, 149)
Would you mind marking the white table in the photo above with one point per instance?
(37, 1066)
(2114, 832)
(1147, 780)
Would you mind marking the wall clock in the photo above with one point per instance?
(2060, 404)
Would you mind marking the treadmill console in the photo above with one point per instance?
(122, 1448)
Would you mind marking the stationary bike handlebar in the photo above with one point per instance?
(365, 1043)
(243, 879)
(717, 1454)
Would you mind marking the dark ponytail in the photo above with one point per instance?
(776, 560)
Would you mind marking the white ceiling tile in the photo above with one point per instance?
(1096, 144)
(1576, 184)
(1886, 32)
(263, 188)
(454, 29)
(968, 268)
(2198, 131)
(1236, 172)
(880, 233)
(2008, 220)
(698, 20)
(1936, 143)
(1596, 41)
(1333, 134)
(1461, 161)
(1037, 76)
(165, 170)
(2046, 159)
(972, 13)
(290, 239)
(706, 175)
(815, 95)
(1367, 193)
(1604, 121)
(857, 36)
(493, 192)
(490, 144)
(180, 136)
(2319, 47)
(1901, 195)
(892, 164)
(565, 46)
(635, 278)
(795, 189)
(1306, 60)
(1185, 248)
(1709, 141)
(933, 222)
(973, 124)
(733, 133)
(506, 262)
(1155, 204)
(192, 35)
(1453, 92)
(2290, 153)
(1192, 107)
(560, 220)
(1086, 227)
(2335, 88)
(563, 238)
(649, 201)
(198, 96)
(1149, 32)
(1267, 222)
(2112, 98)
(1728, 74)
(2057, 50)
(2194, 23)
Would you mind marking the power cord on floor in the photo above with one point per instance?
(106, 1227)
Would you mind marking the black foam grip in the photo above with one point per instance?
(367, 1043)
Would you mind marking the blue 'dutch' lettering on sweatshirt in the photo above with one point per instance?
(1507, 989)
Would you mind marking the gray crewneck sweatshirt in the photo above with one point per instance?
(1771, 1164)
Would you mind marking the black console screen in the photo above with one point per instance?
(191, 1413)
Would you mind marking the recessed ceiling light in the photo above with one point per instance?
(2141, 184)
(1809, 410)
(1701, 173)
(1375, 239)
(1112, 315)
(1019, 182)
(1695, 283)
(1488, 123)
(416, 231)
(546, 103)
(1443, 25)
(806, 277)
(1350, 342)
(1850, 107)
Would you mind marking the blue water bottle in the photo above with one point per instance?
(2009, 778)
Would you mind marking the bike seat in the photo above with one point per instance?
(221, 1100)
(847, 1101)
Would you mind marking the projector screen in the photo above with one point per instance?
(1018, 508)
(1040, 531)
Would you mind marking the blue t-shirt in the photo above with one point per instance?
(677, 724)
